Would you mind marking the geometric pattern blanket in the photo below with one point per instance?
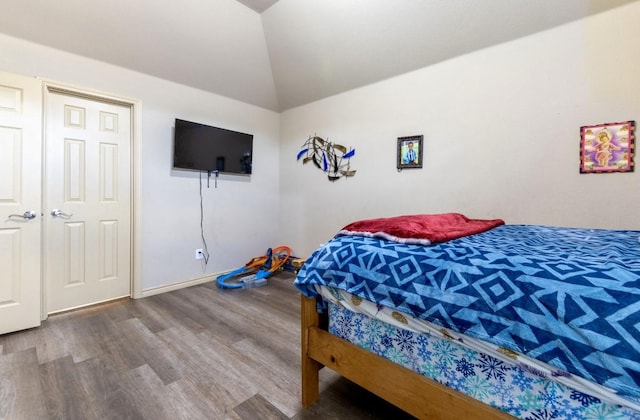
(566, 296)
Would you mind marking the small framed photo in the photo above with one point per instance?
(607, 147)
(410, 152)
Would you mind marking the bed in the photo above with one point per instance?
(451, 317)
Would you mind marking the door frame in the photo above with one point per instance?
(135, 106)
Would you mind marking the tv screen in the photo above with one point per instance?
(205, 148)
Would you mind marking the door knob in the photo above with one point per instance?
(60, 213)
(27, 215)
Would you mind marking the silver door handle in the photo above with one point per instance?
(27, 215)
(60, 213)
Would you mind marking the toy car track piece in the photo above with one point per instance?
(256, 270)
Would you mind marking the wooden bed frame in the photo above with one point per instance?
(410, 391)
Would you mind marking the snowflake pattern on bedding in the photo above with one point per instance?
(509, 388)
(565, 296)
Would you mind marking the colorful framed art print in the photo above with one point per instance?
(607, 147)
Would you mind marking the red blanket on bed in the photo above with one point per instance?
(421, 228)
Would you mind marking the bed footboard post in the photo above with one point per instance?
(310, 368)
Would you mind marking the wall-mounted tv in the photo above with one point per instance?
(205, 148)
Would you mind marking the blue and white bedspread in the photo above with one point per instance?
(568, 297)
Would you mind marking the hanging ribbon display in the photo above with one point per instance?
(329, 157)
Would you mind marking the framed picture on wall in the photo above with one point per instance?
(409, 152)
(607, 147)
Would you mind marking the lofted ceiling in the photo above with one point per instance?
(281, 54)
(258, 5)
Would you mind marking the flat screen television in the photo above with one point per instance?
(202, 147)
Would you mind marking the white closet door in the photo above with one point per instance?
(20, 198)
(88, 200)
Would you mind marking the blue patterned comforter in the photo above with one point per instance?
(569, 297)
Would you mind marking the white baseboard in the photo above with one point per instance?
(181, 285)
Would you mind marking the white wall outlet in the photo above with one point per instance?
(199, 254)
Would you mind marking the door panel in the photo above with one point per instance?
(20, 192)
(87, 185)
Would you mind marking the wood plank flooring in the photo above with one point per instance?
(194, 353)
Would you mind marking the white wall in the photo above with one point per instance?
(501, 129)
(241, 215)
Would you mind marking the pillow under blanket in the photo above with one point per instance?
(422, 229)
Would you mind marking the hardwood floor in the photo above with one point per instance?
(194, 353)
